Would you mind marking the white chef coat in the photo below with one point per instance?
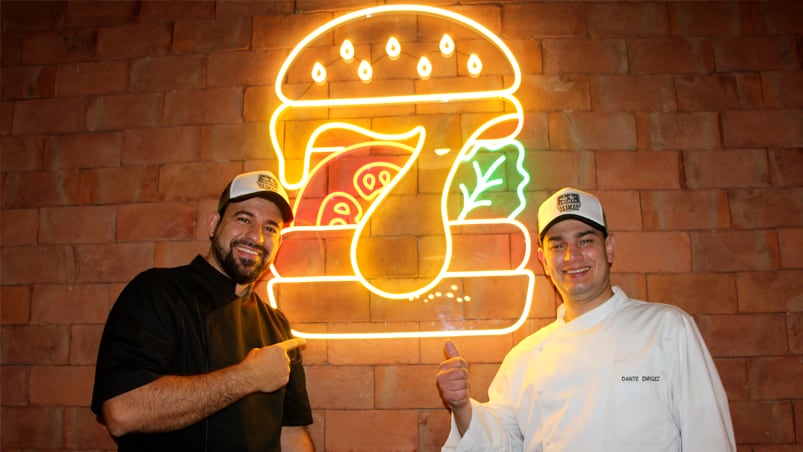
(626, 376)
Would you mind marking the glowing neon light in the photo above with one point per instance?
(481, 166)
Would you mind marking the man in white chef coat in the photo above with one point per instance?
(609, 374)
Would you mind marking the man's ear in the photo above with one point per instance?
(212, 223)
(543, 261)
(609, 245)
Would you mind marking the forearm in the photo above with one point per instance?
(174, 402)
(462, 417)
(296, 439)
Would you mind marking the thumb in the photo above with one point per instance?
(450, 349)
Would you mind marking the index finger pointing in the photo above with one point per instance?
(291, 344)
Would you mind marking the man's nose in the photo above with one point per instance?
(572, 252)
(255, 234)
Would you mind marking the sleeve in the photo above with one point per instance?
(136, 346)
(700, 403)
(493, 425)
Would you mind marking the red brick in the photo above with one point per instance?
(775, 378)
(557, 169)
(783, 89)
(685, 210)
(28, 16)
(557, 92)
(248, 141)
(255, 8)
(179, 182)
(475, 349)
(82, 431)
(76, 225)
(168, 73)
(42, 264)
(211, 106)
(69, 304)
(119, 185)
(670, 56)
(384, 351)
(733, 373)
(32, 427)
(652, 252)
(14, 385)
(684, 130)
(767, 208)
(763, 422)
(155, 221)
(733, 168)
(779, 17)
(707, 19)
(138, 40)
(724, 251)
(592, 131)
(173, 254)
(643, 169)
(543, 20)
(388, 430)
(155, 146)
(112, 262)
(83, 151)
(755, 53)
(16, 305)
(67, 46)
(283, 32)
(340, 387)
(48, 345)
(634, 285)
(790, 241)
(84, 343)
(763, 128)
(632, 93)
(406, 387)
(259, 103)
(169, 11)
(770, 291)
(794, 325)
(10, 45)
(19, 227)
(244, 68)
(27, 82)
(191, 36)
(603, 56)
(433, 429)
(626, 19)
(6, 117)
(80, 79)
(719, 92)
(38, 189)
(709, 293)
(622, 210)
(124, 111)
(742, 335)
(87, 14)
(786, 166)
(23, 153)
(61, 385)
(528, 54)
(60, 115)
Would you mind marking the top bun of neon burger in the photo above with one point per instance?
(394, 60)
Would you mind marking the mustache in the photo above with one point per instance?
(249, 244)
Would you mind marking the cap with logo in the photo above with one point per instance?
(257, 183)
(571, 203)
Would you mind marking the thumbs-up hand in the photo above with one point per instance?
(452, 377)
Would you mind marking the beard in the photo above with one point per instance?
(242, 271)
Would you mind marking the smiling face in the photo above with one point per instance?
(577, 257)
(245, 239)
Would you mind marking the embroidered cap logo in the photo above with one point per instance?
(569, 201)
(266, 182)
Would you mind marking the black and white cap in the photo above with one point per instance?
(571, 203)
(257, 183)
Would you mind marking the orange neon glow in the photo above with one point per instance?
(345, 224)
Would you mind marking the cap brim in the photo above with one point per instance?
(571, 216)
(287, 211)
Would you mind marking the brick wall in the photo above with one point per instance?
(121, 121)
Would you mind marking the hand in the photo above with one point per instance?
(453, 377)
(268, 368)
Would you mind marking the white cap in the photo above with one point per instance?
(257, 183)
(571, 203)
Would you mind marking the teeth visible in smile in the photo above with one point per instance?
(576, 271)
(248, 250)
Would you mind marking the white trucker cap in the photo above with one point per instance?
(257, 183)
(571, 203)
